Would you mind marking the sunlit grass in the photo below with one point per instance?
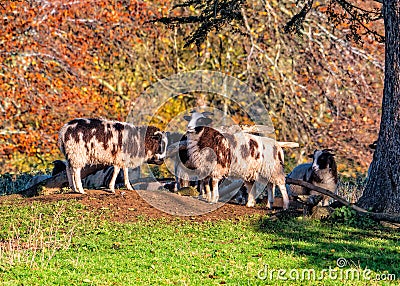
(63, 243)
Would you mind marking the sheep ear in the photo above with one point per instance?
(311, 155)
(187, 117)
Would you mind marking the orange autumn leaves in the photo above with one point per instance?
(65, 59)
(60, 60)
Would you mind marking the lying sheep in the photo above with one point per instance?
(98, 141)
(36, 180)
(58, 167)
(99, 179)
(322, 172)
(217, 155)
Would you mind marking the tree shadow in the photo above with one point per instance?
(324, 244)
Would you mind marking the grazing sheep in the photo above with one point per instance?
(177, 151)
(182, 167)
(88, 141)
(216, 155)
(58, 167)
(322, 172)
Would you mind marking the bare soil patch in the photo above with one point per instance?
(124, 206)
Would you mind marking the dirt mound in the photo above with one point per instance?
(126, 206)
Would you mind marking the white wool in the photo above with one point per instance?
(267, 168)
(118, 144)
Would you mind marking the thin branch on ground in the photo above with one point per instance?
(376, 216)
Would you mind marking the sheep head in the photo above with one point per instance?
(197, 121)
(323, 159)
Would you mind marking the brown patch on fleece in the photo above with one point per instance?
(254, 149)
(152, 142)
(211, 138)
(89, 128)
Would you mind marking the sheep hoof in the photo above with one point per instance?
(250, 204)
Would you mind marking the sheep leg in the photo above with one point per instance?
(76, 179)
(206, 185)
(325, 201)
(251, 190)
(111, 186)
(183, 183)
(215, 191)
(200, 189)
(271, 195)
(71, 182)
(285, 196)
(126, 179)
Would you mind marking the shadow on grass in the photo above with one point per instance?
(320, 243)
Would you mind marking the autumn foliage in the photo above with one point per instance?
(60, 60)
(65, 59)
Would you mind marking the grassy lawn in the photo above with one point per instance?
(63, 243)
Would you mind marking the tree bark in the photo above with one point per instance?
(382, 192)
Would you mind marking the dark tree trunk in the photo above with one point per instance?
(382, 192)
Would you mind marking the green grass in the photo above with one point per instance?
(63, 243)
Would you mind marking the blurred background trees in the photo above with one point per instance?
(60, 60)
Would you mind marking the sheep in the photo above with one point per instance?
(216, 155)
(177, 151)
(182, 167)
(322, 172)
(88, 141)
(58, 167)
(36, 180)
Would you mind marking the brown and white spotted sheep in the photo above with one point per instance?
(89, 141)
(322, 172)
(216, 155)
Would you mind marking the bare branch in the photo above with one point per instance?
(295, 24)
(375, 216)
